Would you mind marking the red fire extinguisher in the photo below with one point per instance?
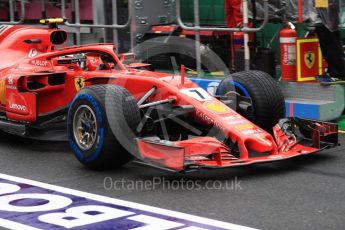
(288, 38)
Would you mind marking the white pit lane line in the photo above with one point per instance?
(107, 212)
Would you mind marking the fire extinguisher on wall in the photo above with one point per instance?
(288, 36)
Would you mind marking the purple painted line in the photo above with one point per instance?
(27, 204)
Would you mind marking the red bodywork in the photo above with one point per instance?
(37, 79)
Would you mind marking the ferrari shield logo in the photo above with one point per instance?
(309, 59)
(79, 83)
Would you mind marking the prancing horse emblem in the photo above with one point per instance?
(309, 59)
(79, 83)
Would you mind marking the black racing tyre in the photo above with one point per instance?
(267, 98)
(99, 118)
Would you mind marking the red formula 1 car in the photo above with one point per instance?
(113, 111)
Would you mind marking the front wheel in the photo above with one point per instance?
(101, 126)
(267, 99)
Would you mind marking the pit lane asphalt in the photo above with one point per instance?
(302, 193)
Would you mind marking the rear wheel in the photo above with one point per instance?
(267, 100)
(101, 124)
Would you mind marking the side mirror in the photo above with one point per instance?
(127, 57)
(58, 37)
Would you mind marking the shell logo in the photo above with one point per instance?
(2, 92)
(217, 107)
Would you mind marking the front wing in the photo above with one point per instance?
(294, 137)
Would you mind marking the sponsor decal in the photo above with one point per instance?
(244, 127)
(233, 117)
(33, 53)
(256, 132)
(26, 204)
(41, 63)
(197, 93)
(3, 92)
(236, 122)
(208, 120)
(216, 107)
(10, 80)
(18, 107)
(11, 87)
(79, 83)
(249, 132)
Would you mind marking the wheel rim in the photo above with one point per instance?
(244, 92)
(239, 86)
(85, 127)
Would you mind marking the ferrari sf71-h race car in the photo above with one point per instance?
(115, 111)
